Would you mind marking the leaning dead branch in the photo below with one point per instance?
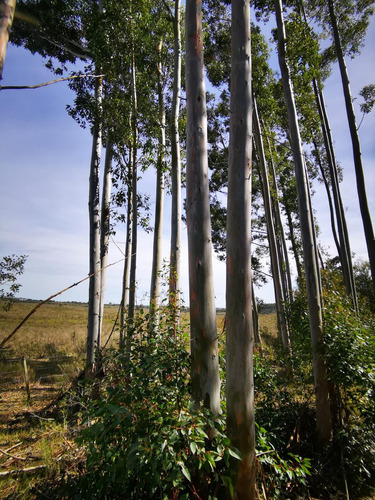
(44, 84)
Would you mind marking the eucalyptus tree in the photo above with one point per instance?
(71, 40)
(159, 212)
(164, 19)
(306, 66)
(7, 9)
(175, 252)
(204, 345)
(239, 325)
(105, 226)
(323, 411)
(274, 254)
(347, 22)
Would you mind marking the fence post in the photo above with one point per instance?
(27, 381)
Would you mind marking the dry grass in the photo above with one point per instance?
(31, 441)
(55, 329)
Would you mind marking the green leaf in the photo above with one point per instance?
(185, 471)
(193, 447)
(234, 453)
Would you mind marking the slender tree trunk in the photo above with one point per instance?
(127, 253)
(357, 155)
(275, 264)
(345, 255)
(159, 208)
(133, 260)
(105, 228)
(329, 197)
(255, 315)
(94, 220)
(205, 379)
(174, 279)
(280, 227)
(293, 238)
(323, 412)
(239, 326)
(7, 8)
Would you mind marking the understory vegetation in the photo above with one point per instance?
(143, 439)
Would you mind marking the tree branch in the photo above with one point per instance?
(6, 340)
(39, 85)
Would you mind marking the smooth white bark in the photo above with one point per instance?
(205, 379)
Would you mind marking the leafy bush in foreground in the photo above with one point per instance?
(143, 440)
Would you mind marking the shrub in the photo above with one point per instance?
(143, 439)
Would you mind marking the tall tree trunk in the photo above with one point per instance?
(204, 345)
(293, 238)
(105, 227)
(174, 279)
(357, 155)
(329, 197)
(279, 225)
(323, 412)
(133, 260)
(7, 8)
(275, 264)
(345, 255)
(94, 221)
(127, 253)
(159, 207)
(239, 326)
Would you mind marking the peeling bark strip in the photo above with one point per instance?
(7, 8)
(323, 412)
(204, 345)
(239, 327)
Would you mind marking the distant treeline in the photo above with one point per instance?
(264, 308)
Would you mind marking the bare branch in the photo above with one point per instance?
(39, 85)
(20, 471)
(6, 340)
(11, 456)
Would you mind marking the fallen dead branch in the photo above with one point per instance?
(12, 456)
(6, 340)
(27, 470)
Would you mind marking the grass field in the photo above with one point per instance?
(59, 328)
(35, 450)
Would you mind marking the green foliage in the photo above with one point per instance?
(349, 351)
(11, 266)
(281, 476)
(368, 94)
(142, 438)
(364, 286)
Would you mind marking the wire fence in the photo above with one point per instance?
(16, 370)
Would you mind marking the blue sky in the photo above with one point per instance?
(44, 165)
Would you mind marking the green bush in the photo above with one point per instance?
(142, 438)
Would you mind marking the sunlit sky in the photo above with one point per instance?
(44, 162)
